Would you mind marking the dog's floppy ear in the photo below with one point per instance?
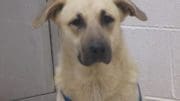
(50, 11)
(129, 8)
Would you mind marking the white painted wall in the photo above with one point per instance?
(155, 45)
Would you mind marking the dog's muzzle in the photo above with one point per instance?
(95, 52)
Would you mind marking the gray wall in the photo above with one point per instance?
(155, 46)
(26, 68)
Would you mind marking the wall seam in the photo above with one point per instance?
(151, 28)
(172, 66)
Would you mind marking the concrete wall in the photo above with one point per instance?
(155, 45)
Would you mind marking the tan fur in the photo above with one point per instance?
(115, 81)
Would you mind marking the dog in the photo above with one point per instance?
(93, 62)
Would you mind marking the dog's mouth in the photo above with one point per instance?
(89, 59)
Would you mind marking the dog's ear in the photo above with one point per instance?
(129, 8)
(52, 8)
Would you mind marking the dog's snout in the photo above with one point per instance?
(94, 52)
(97, 49)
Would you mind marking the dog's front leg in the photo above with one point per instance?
(59, 96)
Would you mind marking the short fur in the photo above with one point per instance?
(115, 81)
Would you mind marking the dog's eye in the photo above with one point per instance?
(106, 19)
(78, 22)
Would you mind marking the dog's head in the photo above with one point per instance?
(90, 27)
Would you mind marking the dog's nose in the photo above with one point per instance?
(97, 49)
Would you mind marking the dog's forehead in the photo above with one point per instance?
(88, 8)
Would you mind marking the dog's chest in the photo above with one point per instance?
(90, 90)
(105, 85)
(86, 93)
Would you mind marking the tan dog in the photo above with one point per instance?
(93, 62)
